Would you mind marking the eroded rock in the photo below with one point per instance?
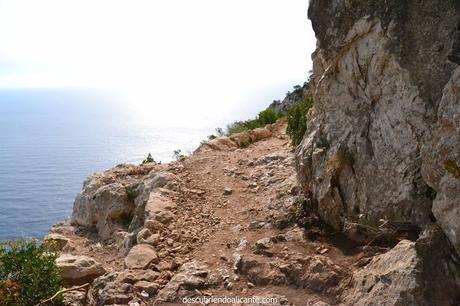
(78, 270)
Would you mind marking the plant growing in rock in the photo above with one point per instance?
(297, 120)
(28, 273)
(148, 160)
(178, 155)
(341, 159)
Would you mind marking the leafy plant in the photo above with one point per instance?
(28, 273)
(178, 155)
(148, 160)
(297, 120)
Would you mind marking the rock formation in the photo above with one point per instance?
(383, 139)
(297, 96)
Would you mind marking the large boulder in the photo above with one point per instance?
(259, 134)
(77, 270)
(393, 278)
(412, 273)
(141, 256)
(383, 136)
(242, 139)
(221, 144)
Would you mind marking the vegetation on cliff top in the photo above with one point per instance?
(28, 273)
(296, 116)
(268, 116)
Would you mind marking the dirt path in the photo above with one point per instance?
(250, 193)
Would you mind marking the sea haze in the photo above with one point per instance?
(51, 140)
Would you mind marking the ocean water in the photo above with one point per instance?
(51, 140)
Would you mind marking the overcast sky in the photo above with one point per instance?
(215, 51)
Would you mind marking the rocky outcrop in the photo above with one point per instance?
(115, 200)
(295, 97)
(383, 140)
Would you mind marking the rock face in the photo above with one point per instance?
(383, 138)
(295, 97)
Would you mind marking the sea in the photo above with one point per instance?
(51, 140)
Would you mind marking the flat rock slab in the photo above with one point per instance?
(140, 257)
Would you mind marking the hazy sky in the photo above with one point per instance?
(155, 53)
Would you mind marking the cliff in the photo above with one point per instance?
(383, 138)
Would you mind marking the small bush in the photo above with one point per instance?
(265, 117)
(28, 273)
(148, 160)
(178, 155)
(297, 120)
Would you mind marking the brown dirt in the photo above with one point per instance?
(212, 171)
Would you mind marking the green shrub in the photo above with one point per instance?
(148, 160)
(265, 117)
(178, 155)
(28, 273)
(297, 120)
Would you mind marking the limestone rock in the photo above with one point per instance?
(56, 241)
(109, 200)
(222, 144)
(383, 136)
(159, 208)
(259, 134)
(140, 257)
(242, 139)
(191, 276)
(393, 278)
(77, 270)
